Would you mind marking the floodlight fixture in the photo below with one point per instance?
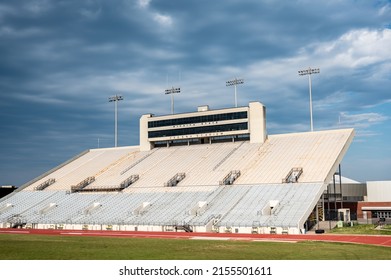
(309, 72)
(171, 92)
(115, 99)
(234, 83)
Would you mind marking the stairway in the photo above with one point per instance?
(325, 225)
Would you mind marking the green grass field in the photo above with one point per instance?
(363, 229)
(40, 247)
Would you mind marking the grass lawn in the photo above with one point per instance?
(363, 229)
(40, 247)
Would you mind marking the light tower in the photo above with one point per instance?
(115, 99)
(171, 91)
(234, 83)
(309, 72)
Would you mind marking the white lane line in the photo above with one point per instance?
(275, 240)
(13, 231)
(209, 238)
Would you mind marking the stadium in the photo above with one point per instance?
(203, 171)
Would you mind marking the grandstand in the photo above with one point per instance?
(205, 171)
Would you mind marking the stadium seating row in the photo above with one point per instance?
(258, 197)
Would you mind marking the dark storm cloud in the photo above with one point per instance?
(61, 60)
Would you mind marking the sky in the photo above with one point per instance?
(60, 61)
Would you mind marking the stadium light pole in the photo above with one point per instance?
(171, 92)
(115, 99)
(234, 83)
(309, 72)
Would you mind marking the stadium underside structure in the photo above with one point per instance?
(247, 186)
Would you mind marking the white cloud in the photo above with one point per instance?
(163, 19)
(363, 120)
(143, 3)
(385, 10)
(357, 48)
(91, 14)
(43, 99)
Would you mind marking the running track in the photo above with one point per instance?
(379, 240)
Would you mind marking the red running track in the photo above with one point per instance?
(379, 240)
